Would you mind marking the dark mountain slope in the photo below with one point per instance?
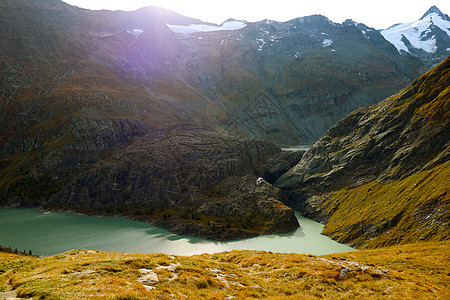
(289, 82)
(380, 176)
(187, 179)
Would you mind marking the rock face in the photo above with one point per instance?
(276, 165)
(380, 175)
(98, 114)
(277, 81)
(187, 179)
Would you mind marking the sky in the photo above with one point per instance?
(379, 14)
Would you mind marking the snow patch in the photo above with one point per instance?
(192, 28)
(135, 32)
(327, 42)
(416, 32)
(260, 180)
(260, 48)
(273, 38)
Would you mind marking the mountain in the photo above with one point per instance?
(428, 38)
(99, 90)
(435, 10)
(97, 106)
(380, 176)
(277, 81)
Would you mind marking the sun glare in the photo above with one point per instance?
(379, 14)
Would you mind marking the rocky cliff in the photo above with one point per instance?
(380, 176)
(187, 179)
(289, 82)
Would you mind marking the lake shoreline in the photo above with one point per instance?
(49, 234)
(177, 226)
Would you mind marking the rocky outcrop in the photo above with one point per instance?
(393, 147)
(187, 179)
(276, 165)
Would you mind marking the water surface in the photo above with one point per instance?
(296, 148)
(51, 233)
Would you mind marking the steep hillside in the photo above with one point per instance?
(186, 179)
(418, 271)
(380, 176)
(289, 82)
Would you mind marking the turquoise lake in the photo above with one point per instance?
(48, 233)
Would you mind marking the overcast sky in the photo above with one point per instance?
(379, 14)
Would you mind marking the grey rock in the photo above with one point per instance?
(344, 272)
(149, 277)
(276, 165)
(190, 169)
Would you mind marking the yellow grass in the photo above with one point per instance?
(378, 203)
(415, 271)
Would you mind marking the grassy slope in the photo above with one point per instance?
(413, 205)
(405, 206)
(409, 271)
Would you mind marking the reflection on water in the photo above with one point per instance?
(295, 148)
(48, 234)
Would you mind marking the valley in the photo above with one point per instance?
(199, 138)
(113, 113)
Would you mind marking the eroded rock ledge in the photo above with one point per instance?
(189, 180)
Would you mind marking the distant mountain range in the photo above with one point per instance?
(96, 101)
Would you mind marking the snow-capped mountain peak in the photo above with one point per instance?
(434, 9)
(429, 35)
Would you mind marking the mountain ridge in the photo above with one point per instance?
(368, 274)
(388, 162)
(435, 9)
